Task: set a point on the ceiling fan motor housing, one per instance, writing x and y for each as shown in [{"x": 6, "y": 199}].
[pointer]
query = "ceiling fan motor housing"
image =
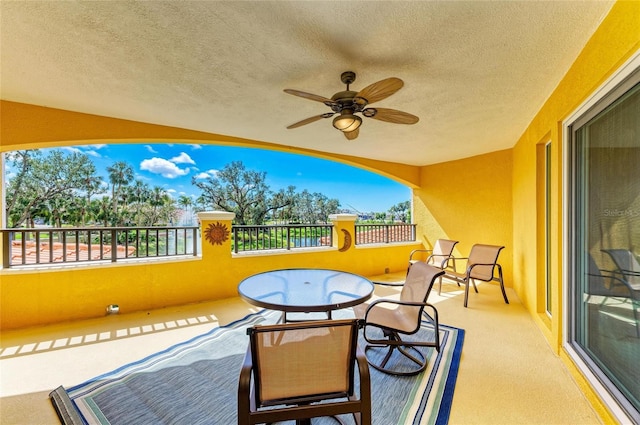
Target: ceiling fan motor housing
[{"x": 343, "y": 100}]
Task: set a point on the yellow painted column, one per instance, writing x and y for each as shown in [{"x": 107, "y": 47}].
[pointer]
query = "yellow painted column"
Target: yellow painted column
[
  {"x": 344, "y": 231},
  {"x": 215, "y": 230}
]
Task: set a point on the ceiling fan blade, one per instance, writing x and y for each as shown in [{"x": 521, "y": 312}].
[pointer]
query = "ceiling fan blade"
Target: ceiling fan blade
[
  {"x": 310, "y": 120},
  {"x": 380, "y": 90},
  {"x": 352, "y": 135},
  {"x": 390, "y": 115},
  {"x": 309, "y": 96}
]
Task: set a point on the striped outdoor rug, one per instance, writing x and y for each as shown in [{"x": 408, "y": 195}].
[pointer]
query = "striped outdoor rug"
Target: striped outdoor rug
[{"x": 196, "y": 382}]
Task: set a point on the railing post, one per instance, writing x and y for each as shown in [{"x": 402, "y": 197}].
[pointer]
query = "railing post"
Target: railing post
[
  {"x": 195, "y": 242},
  {"x": 6, "y": 249},
  {"x": 114, "y": 245},
  {"x": 344, "y": 234}
]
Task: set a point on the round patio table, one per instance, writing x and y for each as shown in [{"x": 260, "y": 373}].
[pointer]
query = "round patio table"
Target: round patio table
[{"x": 305, "y": 290}]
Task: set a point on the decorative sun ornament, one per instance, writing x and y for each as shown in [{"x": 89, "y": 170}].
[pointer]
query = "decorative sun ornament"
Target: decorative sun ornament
[{"x": 216, "y": 233}]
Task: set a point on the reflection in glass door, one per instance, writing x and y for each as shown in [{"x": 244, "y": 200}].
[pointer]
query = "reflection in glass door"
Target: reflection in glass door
[{"x": 605, "y": 242}]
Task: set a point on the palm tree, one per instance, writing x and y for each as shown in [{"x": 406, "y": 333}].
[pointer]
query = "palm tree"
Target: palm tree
[
  {"x": 185, "y": 202},
  {"x": 140, "y": 193},
  {"x": 159, "y": 198},
  {"x": 120, "y": 174},
  {"x": 92, "y": 186}
]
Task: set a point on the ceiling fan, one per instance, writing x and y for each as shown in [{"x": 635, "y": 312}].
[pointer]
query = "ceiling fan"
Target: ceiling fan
[{"x": 348, "y": 103}]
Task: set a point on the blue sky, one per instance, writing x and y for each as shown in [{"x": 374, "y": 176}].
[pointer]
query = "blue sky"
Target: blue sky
[{"x": 171, "y": 166}]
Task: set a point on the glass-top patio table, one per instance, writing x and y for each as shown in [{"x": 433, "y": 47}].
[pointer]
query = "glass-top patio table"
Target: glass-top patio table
[{"x": 305, "y": 290}]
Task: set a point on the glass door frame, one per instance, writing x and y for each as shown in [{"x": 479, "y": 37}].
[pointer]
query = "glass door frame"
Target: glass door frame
[{"x": 594, "y": 104}]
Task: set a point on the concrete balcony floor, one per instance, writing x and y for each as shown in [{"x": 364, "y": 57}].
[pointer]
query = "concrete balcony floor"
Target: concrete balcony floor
[{"x": 508, "y": 373}]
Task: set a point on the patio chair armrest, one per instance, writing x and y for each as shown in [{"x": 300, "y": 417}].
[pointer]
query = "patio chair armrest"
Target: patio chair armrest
[
  {"x": 365, "y": 378},
  {"x": 459, "y": 258},
  {"x": 415, "y": 251},
  {"x": 443, "y": 262},
  {"x": 389, "y": 301},
  {"x": 613, "y": 279},
  {"x": 610, "y": 274},
  {"x": 245, "y": 399},
  {"x": 471, "y": 266}
]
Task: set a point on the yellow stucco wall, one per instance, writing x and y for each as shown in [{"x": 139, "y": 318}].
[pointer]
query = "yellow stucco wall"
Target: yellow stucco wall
[
  {"x": 25, "y": 126},
  {"x": 63, "y": 293},
  {"x": 468, "y": 200},
  {"x": 615, "y": 41}
]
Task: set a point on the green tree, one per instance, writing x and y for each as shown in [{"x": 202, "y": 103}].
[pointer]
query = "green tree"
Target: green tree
[
  {"x": 245, "y": 193},
  {"x": 401, "y": 211},
  {"x": 44, "y": 186},
  {"x": 93, "y": 185},
  {"x": 120, "y": 175},
  {"x": 235, "y": 189},
  {"x": 139, "y": 194},
  {"x": 283, "y": 202},
  {"x": 185, "y": 202}
]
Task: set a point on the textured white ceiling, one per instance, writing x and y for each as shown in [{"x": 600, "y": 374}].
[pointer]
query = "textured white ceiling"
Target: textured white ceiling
[{"x": 475, "y": 72}]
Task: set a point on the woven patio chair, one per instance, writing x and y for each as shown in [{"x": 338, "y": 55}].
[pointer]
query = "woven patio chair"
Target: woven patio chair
[
  {"x": 481, "y": 264},
  {"x": 291, "y": 370},
  {"x": 386, "y": 321}
]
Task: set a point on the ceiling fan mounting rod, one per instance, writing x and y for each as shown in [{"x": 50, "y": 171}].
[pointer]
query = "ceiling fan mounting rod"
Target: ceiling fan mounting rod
[{"x": 347, "y": 78}]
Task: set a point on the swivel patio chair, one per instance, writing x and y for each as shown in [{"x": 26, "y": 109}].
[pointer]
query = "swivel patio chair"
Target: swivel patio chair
[
  {"x": 385, "y": 320},
  {"x": 481, "y": 263},
  {"x": 298, "y": 371}
]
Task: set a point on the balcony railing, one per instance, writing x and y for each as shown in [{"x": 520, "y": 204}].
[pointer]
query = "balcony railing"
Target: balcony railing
[
  {"x": 290, "y": 236},
  {"x": 25, "y": 247},
  {"x": 72, "y": 245},
  {"x": 384, "y": 233}
]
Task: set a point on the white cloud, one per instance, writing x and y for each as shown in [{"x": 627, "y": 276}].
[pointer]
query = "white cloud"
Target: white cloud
[
  {"x": 207, "y": 174},
  {"x": 183, "y": 158},
  {"x": 84, "y": 149},
  {"x": 150, "y": 149},
  {"x": 163, "y": 167},
  {"x": 195, "y": 147}
]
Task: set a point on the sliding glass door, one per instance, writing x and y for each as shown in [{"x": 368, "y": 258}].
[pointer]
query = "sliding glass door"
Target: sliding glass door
[{"x": 604, "y": 242}]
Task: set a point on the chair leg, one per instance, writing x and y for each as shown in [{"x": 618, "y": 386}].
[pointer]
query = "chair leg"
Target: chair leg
[
  {"x": 475, "y": 288},
  {"x": 436, "y": 324},
  {"x": 504, "y": 294},
  {"x": 395, "y": 342},
  {"x": 466, "y": 292}
]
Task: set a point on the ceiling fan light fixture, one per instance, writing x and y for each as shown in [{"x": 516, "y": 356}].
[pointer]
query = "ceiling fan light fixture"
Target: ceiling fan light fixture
[{"x": 347, "y": 122}]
